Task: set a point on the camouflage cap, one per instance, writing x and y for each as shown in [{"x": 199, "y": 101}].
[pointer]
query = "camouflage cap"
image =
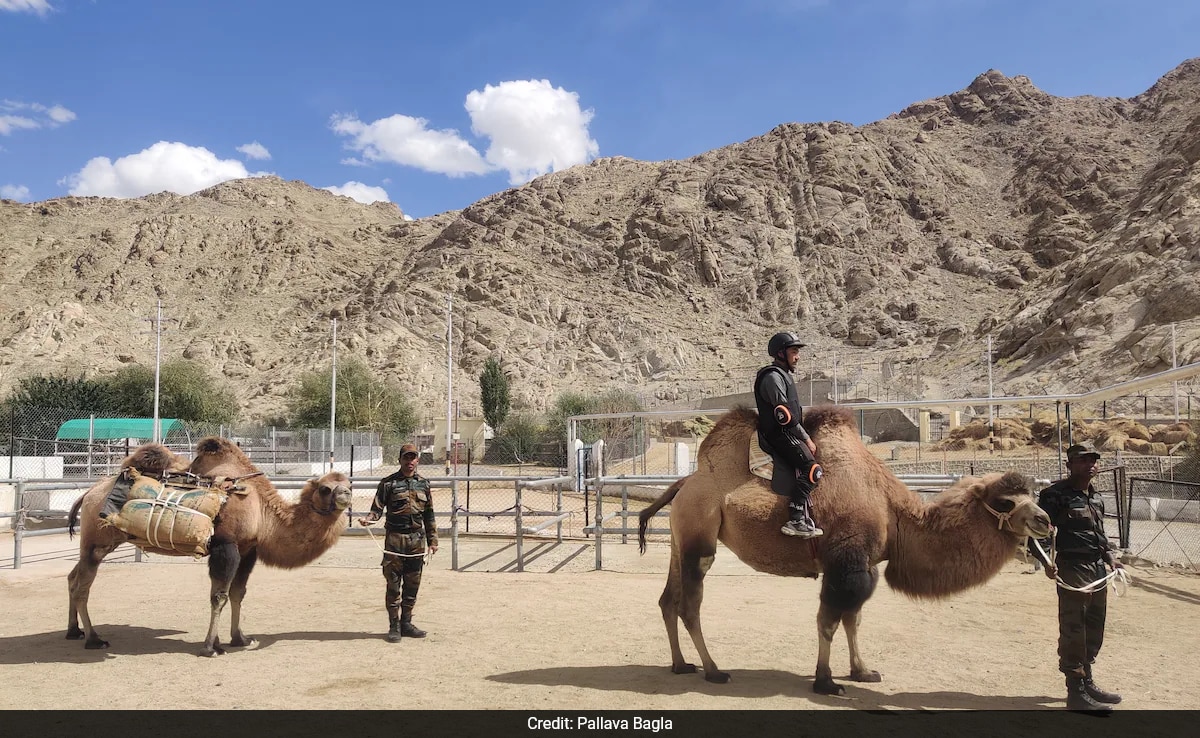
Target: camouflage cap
[
  {"x": 408, "y": 449},
  {"x": 1087, "y": 448}
]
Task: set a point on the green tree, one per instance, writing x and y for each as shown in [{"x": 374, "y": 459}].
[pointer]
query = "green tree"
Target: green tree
[
  {"x": 75, "y": 395},
  {"x": 38, "y": 405},
  {"x": 186, "y": 390},
  {"x": 364, "y": 402},
  {"x": 564, "y": 406},
  {"x": 518, "y": 441},
  {"x": 494, "y": 394}
]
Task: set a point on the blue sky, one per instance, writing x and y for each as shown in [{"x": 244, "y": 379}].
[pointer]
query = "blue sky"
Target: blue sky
[{"x": 434, "y": 105}]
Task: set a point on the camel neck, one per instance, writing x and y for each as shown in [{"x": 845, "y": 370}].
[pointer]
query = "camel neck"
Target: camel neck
[{"x": 945, "y": 547}]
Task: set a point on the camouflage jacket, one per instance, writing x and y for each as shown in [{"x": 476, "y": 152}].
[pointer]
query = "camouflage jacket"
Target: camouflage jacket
[{"x": 408, "y": 504}]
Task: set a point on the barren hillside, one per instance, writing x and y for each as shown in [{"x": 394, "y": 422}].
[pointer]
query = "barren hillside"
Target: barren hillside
[{"x": 1068, "y": 227}]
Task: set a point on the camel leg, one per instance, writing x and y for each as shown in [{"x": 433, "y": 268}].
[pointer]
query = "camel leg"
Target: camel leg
[
  {"x": 669, "y": 602},
  {"x": 237, "y": 591},
  {"x": 692, "y": 569},
  {"x": 846, "y": 585},
  {"x": 79, "y": 587},
  {"x": 223, "y": 560},
  {"x": 827, "y": 625},
  {"x": 850, "y": 621},
  {"x": 858, "y": 668}
]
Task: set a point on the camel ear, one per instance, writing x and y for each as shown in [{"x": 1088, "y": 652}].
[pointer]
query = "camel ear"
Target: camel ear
[{"x": 977, "y": 489}]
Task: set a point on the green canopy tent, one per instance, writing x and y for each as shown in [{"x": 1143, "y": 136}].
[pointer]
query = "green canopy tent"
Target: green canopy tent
[{"x": 107, "y": 429}]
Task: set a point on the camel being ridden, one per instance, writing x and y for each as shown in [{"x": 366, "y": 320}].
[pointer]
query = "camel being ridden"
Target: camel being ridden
[
  {"x": 255, "y": 524},
  {"x": 957, "y": 541}
]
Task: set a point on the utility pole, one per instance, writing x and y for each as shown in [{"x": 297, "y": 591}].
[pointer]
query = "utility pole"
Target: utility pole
[
  {"x": 156, "y": 431},
  {"x": 449, "y": 376},
  {"x": 1174, "y": 364},
  {"x": 157, "y": 369},
  {"x": 991, "y": 419},
  {"x": 333, "y": 402},
  {"x": 835, "y": 378}
]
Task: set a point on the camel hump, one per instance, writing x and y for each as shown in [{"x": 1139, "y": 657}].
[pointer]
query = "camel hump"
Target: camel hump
[
  {"x": 213, "y": 446},
  {"x": 152, "y": 458},
  {"x": 829, "y": 417}
]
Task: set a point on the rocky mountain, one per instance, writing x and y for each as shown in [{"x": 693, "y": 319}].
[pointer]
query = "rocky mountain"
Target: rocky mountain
[{"x": 1067, "y": 227}]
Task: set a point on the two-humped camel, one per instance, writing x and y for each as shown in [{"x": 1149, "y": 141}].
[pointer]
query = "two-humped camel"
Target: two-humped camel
[
  {"x": 959, "y": 540},
  {"x": 255, "y": 524}
]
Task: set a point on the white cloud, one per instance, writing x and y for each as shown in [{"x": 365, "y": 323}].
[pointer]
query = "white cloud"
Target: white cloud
[
  {"x": 14, "y": 192},
  {"x": 534, "y": 127},
  {"x": 170, "y": 166},
  {"x": 363, "y": 193},
  {"x": 10, "y": 123},
  {"x": 40, "y": 7},
  {"x": 14, "y": 115},
  {"x": 401, "y": 139},
  {"x": 255, "y": 150}
]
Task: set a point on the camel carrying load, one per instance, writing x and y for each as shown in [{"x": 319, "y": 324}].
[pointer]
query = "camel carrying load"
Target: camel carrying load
[
  {"x": 253, "y": 522},
  {"x": 172, "y": 513},
  {"x": 959, "y": 540}
]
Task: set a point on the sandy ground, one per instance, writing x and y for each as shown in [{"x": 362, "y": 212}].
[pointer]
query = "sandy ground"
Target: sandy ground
[{"x": 571, "y": 639}]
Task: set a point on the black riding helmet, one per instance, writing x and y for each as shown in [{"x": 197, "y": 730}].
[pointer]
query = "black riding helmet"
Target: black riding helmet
[{"x": 782, "y": 342}]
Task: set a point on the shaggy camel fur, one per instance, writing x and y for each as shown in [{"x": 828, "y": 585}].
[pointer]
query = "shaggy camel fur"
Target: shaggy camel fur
[
  {"x": 255, "y": 525},
  {"x": 959, "y": 540}
]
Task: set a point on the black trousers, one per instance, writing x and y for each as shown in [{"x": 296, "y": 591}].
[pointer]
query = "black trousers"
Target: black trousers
[
  {"x": 793, "y": 475},
  {"x": 1081, "y": 619}
]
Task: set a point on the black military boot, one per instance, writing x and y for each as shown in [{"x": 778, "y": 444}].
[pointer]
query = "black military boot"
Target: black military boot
[
  {"x": 799, "y": 523},
  {"x": 408, "y": 630},
  {"x": 1098, "y": 694},
  {"x": 1078, "y": 699},
  {"x": 393, "y": 634}
]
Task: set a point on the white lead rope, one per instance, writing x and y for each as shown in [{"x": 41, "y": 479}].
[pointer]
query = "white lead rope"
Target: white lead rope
[
  {"x": 1117, "y": 577},
  {"x": 427, "y": 554}
]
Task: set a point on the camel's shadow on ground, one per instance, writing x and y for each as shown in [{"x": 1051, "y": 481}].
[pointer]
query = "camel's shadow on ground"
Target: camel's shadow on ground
[
  {"x": 133, "y": 640},
  {"x": 752, "y": 683}
]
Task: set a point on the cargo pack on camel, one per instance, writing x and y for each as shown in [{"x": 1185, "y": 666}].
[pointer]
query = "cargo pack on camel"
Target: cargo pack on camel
[{"x": 169, "y": 513}]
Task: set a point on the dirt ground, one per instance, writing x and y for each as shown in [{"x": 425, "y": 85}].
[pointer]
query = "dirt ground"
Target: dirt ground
[{"x": 572, "y": 639}]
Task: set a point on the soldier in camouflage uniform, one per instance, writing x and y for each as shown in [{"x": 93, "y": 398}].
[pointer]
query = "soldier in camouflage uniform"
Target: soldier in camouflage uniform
[
  {"x": 410, "y": 525},
  {"x": 1083, "y": 553}
]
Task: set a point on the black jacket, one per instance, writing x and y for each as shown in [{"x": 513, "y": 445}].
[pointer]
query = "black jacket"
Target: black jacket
[
  {"x": 1078, "y": 519},
  {"x": 779, "y": 415}
]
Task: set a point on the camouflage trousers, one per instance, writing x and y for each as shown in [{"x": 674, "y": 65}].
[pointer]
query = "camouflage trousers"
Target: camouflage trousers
[
  {"x": 403, "y": 573},
  {"x": 1080, "y": 624}
]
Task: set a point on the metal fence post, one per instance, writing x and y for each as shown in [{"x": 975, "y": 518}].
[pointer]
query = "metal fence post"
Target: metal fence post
[
  {"x": 454, "y": 526},
  {"x": 520, "y": 537},
  {"x": 558, "y": 508},
  {"x": 598, "y": 522},
  {"x": 624, "y": 513},
  {"x": 19, "y": 521}
]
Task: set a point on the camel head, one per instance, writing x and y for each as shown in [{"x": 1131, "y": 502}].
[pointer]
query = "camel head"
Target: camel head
[
  {"x": 1007, "y": 497},
  {"x": 331, "y": 493}
]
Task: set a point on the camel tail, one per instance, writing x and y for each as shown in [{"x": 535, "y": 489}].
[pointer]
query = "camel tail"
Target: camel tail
[
  {"x": 73, "y": 517},
  {"x": 645, "y": 515}
]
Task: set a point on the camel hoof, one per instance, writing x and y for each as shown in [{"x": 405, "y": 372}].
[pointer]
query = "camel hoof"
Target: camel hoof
[
  {"x": 244, "y": 641},
  {"x": 214, "y": 651},
  {"x": 74, "y": 634},
  {"x": 683, "y": 669},
  {"x": 95, "y": 644},
  {"x": 717, "y": 677},
  {"x": 828, "y": 686},
  {"x": 867, "y": 676}
]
